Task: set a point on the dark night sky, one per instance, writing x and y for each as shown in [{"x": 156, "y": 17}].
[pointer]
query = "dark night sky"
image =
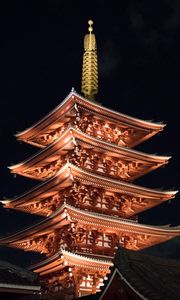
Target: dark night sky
[{"x": 41, "y": 47}]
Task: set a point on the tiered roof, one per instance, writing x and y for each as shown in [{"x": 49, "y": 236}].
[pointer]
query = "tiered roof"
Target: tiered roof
[
  {"x": 59, "y": 119},
  {"x": 142, "y": 198},
  {"x": 86, "y": 166},
  {"x": 54, "y": 155},
  {"x": 66, "y": 258},
  {"x": 146, "y": 235}
]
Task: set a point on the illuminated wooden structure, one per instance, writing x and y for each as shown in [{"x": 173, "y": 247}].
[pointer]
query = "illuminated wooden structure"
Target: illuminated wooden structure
[{"x": 86, "y": 167}]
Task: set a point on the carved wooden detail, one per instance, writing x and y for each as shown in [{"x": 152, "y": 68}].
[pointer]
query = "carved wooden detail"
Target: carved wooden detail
[
  {"x": 102, "y": 201},
  {"x": 71, "y": 230},
  {"x": 92, "y": 161},
  {"x": 61, "y": 281},
  {"x": 79, "y": 238},
  {"x": 94, "y": 199},
  {"x": 46, "y": 171},
  {"x": 104, "y": 164},
  {"x": 47, "y": 138},
  {"x": 41, "y": 244},
  {"x": 72, "y": 279},
  {"x": 45, "y": 206},
  {"x": 104, "y": 130}
]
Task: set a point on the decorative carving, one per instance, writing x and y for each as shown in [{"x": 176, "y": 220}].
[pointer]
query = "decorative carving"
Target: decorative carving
[
  {"x": 91, "y": 198},
  {"x": 136, "y": 241},
  {"x": 77, "y": 238},
  {"x": 46, "y": 206},
  {"x": 99, "y": 200},
  {"x": 47, "y": 171},
  {"x": 91, "y": 160},
  {"x": 71, "y": 279},
  {"x": 108, "y": 132},
  {"x": 93, "y": 126},
  {"x": 62, "y": 281},
  {"x": 48, "y": 137},
  {"x": 103, "y": 164}
]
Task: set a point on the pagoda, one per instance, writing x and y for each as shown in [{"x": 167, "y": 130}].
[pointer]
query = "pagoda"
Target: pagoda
[{"x": 86, "y": 166}]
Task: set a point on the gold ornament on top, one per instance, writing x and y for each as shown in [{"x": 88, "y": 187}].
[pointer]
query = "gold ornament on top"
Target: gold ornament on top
[
  {"x": 90, "y": 22},
  {"x": 90, "y": 66}
]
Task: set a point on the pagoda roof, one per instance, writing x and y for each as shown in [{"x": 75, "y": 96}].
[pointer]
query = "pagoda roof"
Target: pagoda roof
[
  {"x": 73, "y": 136},
  {"x": 68, "y": 214},
  {"x": 69, "y": 173},
  {"x": 63, "y": 110},
  {"x": 65, "y": 258}
]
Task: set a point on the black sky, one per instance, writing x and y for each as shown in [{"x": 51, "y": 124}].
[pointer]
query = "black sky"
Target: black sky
[{"x": 41, "y": 47}]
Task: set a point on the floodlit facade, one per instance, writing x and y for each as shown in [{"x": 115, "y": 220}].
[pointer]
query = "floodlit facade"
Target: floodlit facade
[{"x": 85, "y": 167}]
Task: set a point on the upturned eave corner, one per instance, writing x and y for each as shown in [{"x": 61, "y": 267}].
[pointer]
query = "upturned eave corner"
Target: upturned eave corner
[
  {"x": 86, "y": 195},
  {"x": 74, "y": 97}
]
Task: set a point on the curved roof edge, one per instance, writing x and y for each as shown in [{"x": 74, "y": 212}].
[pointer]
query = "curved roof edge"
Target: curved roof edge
[
  {"x": 79, "y": 257},
  {"x": 100, "y": 218},
  {"x": 113, "y": 182},
  {"x": 109, "y": 146},
  {"x": 96, "y": 107}
]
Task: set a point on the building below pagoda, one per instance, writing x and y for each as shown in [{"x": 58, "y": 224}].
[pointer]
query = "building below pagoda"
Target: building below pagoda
[
  {"x": 17, "y": 282},
  {"x": 137, "y": 276}
]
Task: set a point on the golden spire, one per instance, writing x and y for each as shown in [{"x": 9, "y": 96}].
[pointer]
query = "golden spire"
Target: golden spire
[{"x": 90, "y": 71}]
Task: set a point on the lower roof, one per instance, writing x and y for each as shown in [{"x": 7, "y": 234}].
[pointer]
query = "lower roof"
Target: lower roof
[
  {"x": 148, "y": 277},
  {"x": 17, "y": 280},
  {"x": 74, "y": 98},
  {"x": 66, "y": 258},
  {"x": 69, "y": 172}
]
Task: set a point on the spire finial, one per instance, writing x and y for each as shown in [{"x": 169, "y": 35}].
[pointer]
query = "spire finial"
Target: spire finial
[
  {"x": 90, "y": 70},
  {"x": 90, "y": 22}
]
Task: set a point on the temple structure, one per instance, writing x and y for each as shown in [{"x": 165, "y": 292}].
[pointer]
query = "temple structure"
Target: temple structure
[
  {"x": 17, "y": 283},
  {"x": 86, "y": 166}
]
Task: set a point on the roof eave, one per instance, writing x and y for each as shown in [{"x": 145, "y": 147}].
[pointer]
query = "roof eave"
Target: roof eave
[{"x": 106, "y": 111}]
